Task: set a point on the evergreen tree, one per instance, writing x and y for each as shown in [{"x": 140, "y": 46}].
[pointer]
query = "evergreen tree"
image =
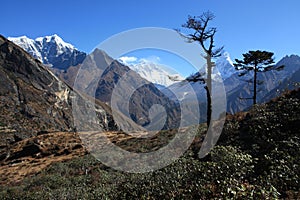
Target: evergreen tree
[{"x": 256, "y": 61}]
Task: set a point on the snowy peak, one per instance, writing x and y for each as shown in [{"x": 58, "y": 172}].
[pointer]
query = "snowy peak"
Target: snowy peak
[
  {"x": 43, "y": 45},
  {"x": 27, "y": 44},
  {"x": 224, "y": 65},
  {"x": 160, "y": 74},
  {"x": 151, "y": 71},
  {"x": 225, "y": 59},
  {"x": 55, "y": 40},
  {"x": 42, "y": 40},
  {"x": 222, "y": 70},
  {"x": 50, "y": 50}
]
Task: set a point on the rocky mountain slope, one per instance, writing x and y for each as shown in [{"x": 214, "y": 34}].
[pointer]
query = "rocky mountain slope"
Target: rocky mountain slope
[
  {"x": 83, "y": 68},
  {"x": 33, "y": 101},
  {"x": 114, "y": 84}
]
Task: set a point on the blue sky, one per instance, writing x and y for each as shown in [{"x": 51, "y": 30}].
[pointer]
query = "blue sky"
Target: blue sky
[{"x": 242, "y": 24}]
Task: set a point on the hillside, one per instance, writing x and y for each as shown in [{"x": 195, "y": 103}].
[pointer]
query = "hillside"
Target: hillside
[
  {"x": 256, "y": 157},
  {"x": 144, "y": 96},
  {"x": 126, "y": 91},
  {"x": 33, "y": 101}
]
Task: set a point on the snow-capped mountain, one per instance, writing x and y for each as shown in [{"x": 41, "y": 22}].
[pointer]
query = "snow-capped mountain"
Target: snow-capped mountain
[
  {"x": 160, "y": 74},
  {"x": 51, "y": 50},
  {"x": 54, "y": 52},
  {"x": 223, "y": 69},
  {"x": 156, "y": 73},
  {"x": 274, "y": 82},
  {"x": 224, "y": 66}
]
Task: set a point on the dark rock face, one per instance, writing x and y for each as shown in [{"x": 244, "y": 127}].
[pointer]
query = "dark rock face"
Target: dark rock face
[
  {"x": 141, "y": 100},
  {"x": 67, "y": 59},
  {"x": 30, "y": 94},
  {"x": 100, "y": 76},
  {"x": 32, "y": 99}
]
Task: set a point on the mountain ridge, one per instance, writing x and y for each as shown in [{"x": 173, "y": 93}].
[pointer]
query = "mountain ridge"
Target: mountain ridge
[
  {"x": 224, "y": 70},
  {"x": 33, "y": 100},
  {"x": 117, "y": 81},
  {"x": 51, "y": 50}
]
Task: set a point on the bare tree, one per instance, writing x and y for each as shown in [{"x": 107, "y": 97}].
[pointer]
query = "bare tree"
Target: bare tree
[{"x": 200, "y": 32}]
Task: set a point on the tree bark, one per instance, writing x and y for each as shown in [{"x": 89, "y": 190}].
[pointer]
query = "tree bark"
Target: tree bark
[
  {"x": 209, "y": 89},
  {"x": 254, "y": 84}
]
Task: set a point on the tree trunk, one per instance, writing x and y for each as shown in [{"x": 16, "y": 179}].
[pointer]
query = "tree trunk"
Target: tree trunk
[
  {"x": 254, "y": 84},
  {"x": 209, "y": 89}
]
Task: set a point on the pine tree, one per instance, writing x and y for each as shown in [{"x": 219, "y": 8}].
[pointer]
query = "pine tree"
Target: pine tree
[{"x": 256, "y": 61}]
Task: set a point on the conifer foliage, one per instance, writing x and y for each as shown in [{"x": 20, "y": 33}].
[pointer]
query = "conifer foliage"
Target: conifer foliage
[{"x": 256, "y": 61}]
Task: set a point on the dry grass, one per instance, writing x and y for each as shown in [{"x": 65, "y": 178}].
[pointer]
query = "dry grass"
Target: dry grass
[{"x": 32, "y": 155}]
